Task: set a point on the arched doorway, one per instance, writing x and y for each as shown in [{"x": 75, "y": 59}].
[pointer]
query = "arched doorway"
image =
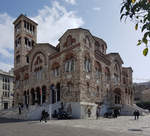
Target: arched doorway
[
  {"x": 43, "y": 94},
  {"x": 38, "y": 95},
  {"x": 32, "y": 96},
  {"x": 58, "y": 91},
  {"x": 53, "y": 94}
]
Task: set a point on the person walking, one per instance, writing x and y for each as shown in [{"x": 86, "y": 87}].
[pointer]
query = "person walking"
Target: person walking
[
  {"x": 135, "y": 114},
  {"x": 19, "y": 107},
  {"x": 43, "y": 116},
  {"x": 89, "y": 112},
  {"x": 97, "y": 112},
  {"x": 115, "y": 113}
]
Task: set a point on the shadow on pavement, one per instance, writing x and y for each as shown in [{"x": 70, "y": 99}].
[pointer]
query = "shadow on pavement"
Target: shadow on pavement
[
  {"x": 5, "y": 120},
  {"x": 134, "y": 129}
]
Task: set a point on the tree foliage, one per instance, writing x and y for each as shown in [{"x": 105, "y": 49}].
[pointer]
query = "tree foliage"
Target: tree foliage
[{"x": 139, "y": 12}]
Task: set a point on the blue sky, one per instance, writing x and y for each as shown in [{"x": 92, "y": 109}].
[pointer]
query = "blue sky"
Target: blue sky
[{"x": 101, "y": 17}]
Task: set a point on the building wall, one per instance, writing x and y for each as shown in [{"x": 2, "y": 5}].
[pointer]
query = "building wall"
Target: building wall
[
  {"x": 6, "y": 89},
  {"x": 96, "y": 77}
]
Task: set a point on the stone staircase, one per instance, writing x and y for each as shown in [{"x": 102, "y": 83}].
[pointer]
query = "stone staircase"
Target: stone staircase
[{"x": 128, "y": 110}]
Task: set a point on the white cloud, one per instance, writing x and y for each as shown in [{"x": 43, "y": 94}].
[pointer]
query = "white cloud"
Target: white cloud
[
  {"x": 5, "y": 67},
  {"x": 52, "y": 23},
  {"x": 97, "y": 8},
  {"x": 71, "y": 1},
  {"x": 6, "y": 39}
]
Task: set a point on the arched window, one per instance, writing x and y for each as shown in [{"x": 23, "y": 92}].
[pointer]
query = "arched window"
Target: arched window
[
  {"x": 107, "y": 74},
  {"x": 87, "y": 65},
  {"x": 116, "y": 73},
  {"x": 38, "y": 73},
  {"x": 69, "y": 62},
  {"x": 98, "y": 70},
  {"x": 117, "y": 96},
  {"x": 55, "y": 69},
  {"x": 70, "y": 65}
]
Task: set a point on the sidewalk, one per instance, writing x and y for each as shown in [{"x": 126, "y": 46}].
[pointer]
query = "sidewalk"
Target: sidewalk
[{"x": 123, "y": 124}]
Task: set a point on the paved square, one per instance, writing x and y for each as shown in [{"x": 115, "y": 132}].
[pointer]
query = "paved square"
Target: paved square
[{"x": 122, "y": 126}]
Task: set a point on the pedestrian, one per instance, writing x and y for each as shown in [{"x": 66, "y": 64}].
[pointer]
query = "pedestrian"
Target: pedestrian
[
  {"x": 135, "y": 114},
  {"x": 115, "y": 113},
  {"x": 19, "y": 106},
  {"x": 43, "y": 116},
  {"x": 97, "y": 112},
  {"x": 89, "y": 112}
]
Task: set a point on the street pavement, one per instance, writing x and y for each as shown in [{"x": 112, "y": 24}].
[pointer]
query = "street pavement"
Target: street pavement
[{"x": 122, "y": 126}]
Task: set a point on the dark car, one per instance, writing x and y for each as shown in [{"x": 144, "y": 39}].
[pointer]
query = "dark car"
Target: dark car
[
  {"x": 63, "y": 115},
  {"x": 108, "y": 114}
]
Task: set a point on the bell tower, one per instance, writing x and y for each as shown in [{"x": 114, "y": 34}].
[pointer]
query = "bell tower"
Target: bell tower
[{"x": 25, "y": 38}]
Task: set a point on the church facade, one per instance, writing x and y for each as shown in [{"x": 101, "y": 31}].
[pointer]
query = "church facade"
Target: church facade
[{"x": 77, "y": 72}]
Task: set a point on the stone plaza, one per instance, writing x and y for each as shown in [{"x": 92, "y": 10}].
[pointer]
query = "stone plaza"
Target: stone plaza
[{"x": 122, "y": 126}]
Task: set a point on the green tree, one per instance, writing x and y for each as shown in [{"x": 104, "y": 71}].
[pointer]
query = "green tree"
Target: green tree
[{"x": 139, "y": 12}]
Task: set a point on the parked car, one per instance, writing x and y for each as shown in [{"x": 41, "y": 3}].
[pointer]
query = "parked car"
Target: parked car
[
  {"x": 108, "y": 114},
  {"x": 63, "y": 115}
]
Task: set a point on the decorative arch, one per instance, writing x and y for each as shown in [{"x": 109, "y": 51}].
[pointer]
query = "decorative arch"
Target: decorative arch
[
  {"x": 69, "y": 55},
  {"x": 69, "y": 41},
  {"x": 38, "y": 59}
]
